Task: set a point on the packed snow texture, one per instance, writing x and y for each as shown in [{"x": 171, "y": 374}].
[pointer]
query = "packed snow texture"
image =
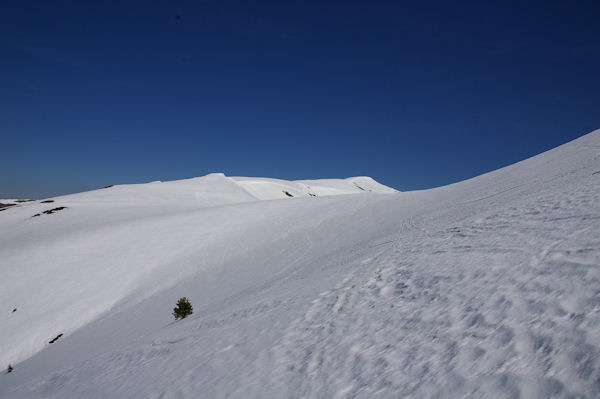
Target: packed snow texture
[
  {"x": 485, "y": 288},
  {"x": 108, "y": 242}
]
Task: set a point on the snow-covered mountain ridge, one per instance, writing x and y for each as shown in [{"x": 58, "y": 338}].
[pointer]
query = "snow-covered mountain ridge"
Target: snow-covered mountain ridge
[
  {"x": 484, "y": 288},
  {"x": 92, "y": 219},
  {"x": 217, "y": 189}
]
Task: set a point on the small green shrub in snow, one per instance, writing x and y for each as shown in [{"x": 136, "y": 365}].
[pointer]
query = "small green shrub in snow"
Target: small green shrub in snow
[{"x": 183, "y": 309}]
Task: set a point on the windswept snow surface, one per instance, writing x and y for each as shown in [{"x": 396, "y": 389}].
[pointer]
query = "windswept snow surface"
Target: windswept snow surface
[
  {"x": 485, "y": 288},
  {"x": 68, "y": 260}
]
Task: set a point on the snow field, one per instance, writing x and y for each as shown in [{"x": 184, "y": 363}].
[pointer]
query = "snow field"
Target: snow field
[
  {"x": 484, "y": 288},
  {"x": 66, "y": 269}
]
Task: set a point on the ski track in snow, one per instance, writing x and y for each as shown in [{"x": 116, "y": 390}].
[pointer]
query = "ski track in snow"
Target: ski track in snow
[
  {"x": 493, "y": 295},
  {"x": 478, "y": 324}
]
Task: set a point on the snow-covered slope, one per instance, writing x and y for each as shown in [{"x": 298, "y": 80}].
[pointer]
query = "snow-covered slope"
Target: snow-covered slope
[
  {"x": 487, "y": 287},
  {"x": 274, "y": 188},
  {"x": 95, "y": 247}
]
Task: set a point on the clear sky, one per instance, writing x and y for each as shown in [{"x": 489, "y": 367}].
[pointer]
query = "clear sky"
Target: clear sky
[{"x": 415, "y": 94}]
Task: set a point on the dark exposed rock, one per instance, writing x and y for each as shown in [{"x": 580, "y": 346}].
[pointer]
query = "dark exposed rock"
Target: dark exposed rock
[
  {"x": 49, "y": 211},
  {"x": 55, "y": 338}
]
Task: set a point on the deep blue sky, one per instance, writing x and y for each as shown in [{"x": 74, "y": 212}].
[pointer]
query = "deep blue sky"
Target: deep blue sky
[{"x": 415, "y": 94}]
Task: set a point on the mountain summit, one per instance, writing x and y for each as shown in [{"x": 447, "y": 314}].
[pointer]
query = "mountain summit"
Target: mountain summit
[{"x": 483, "y": 288}]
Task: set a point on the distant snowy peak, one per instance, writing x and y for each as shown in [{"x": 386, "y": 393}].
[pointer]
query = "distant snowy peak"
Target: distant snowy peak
[
  {"x": 242, "y": 189},
  {"x": 217, "y": 189},
  {"x": 266, "y": 188},
  {"x": 214, "y": 189}
]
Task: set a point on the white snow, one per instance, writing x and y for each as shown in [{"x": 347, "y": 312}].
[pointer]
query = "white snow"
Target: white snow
[
  {"x": 109, "y": 242},
  {"x": 274, "y": 188},
  {"x": 485, "y": 288}
]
